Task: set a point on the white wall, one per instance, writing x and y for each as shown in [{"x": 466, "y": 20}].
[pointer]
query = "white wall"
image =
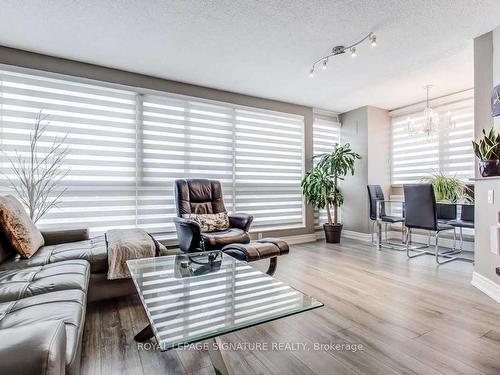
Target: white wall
[
  {"x": 486, "y": 76},
  {"x": 379, "y": 149},
  {"x": 355, "y": 132},
  {"x": 367, "y": 129}
]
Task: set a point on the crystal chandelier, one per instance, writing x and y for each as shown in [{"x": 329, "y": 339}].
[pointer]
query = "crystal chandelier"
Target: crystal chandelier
[{"x": 430, "y": 123}]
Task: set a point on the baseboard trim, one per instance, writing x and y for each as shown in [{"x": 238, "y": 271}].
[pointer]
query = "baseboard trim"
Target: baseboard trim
[
  {"x": 353, "y": 235},
  {"x": 319, "y": 234},
  {"x": 485, "y": 285},
  {"x": 301, "y": 238}
]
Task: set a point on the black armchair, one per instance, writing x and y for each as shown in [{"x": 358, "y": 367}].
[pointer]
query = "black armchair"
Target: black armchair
[
  {"x": 240, "y": 221},
  {"x": 200, "y": 196}
]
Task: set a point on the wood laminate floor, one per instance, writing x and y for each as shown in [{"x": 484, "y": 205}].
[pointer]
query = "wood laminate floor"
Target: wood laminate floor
[{"x": 409, "y": 316}]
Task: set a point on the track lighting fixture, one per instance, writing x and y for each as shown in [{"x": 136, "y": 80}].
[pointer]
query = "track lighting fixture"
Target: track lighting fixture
[{"x": 339, "y": 50}]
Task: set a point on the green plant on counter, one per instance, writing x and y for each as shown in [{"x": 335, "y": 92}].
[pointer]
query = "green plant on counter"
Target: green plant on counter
[
  {"x": 448, "y": 189},
  {"x": 488, "y": 147}
]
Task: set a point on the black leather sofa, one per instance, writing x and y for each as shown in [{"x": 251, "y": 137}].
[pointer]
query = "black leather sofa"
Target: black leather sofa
[{"x": 43, "y": 301}]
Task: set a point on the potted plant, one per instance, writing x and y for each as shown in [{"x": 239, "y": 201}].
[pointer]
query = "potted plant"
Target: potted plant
[
  {"x": 320, "y": 185},
  {"x": 449, "y": 189},
  {"x": 487, "y": 150}
]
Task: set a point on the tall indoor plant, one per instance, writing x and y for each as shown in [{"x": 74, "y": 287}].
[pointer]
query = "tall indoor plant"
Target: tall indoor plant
[
  {"x": 320, "y": 185},
  {"x": 487, "y": 150}
]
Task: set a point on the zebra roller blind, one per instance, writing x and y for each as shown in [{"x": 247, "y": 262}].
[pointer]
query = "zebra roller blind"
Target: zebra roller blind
[
  {"x": 449, "y": 151},
  {"x": 269, "y": 163},
  {"x": 181, "y": 139},
  {"x": 326, "y": 132},
  {"x": 127, "y": 148},
  {"x": 100, "y": 124}
]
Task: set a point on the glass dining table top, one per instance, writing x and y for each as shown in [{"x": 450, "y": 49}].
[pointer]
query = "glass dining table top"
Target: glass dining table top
[{"x": 193, "y": 297}]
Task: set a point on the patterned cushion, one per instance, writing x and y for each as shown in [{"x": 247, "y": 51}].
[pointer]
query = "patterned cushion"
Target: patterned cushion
[
  {"x": 20, "y": 232},
  {"x": 210, "y": 222}
]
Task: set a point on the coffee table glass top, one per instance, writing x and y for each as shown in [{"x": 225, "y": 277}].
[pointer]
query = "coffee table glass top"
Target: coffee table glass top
[{"x": 194, "y": 297}]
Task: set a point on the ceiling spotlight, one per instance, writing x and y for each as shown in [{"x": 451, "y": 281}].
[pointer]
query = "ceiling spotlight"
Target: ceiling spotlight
[{"x": 340, "y": 50}]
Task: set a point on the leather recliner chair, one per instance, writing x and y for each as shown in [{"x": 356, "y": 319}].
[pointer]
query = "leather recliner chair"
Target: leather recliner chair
[{"x": 201, "y": 196}]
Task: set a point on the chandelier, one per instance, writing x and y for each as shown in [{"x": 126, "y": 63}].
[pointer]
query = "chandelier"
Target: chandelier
[
  {"x": 430, "y": 122},
  {"x": 339, "y": 50}
]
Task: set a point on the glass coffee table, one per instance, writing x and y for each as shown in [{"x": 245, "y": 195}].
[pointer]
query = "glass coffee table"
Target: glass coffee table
[{"x": 199, "y": 296}]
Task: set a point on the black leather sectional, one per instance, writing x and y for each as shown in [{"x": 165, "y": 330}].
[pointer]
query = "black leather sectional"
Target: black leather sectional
[{"x": 43, "y": 302}]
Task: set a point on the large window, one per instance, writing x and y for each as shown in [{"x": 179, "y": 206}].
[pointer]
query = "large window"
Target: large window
[
  {"x": 127, "y": 148},
  {"x": 449, "y": 150},
  {"x": 326, "y": 133},
  {"x": 268, "y": 168}
]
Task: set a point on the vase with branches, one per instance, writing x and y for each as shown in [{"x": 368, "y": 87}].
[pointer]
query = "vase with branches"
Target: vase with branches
[
  {"x": 320, "y": 185},
  {"x": 36, "y": 175}
]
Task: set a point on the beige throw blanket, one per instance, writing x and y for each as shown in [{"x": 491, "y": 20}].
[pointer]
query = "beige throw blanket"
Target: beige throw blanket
[{"x": 126, "y": 244}]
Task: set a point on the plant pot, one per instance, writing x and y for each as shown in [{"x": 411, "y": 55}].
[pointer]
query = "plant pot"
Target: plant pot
[
  {"x": 332, "y": 232},
  {"x": 489, "y": 168}
]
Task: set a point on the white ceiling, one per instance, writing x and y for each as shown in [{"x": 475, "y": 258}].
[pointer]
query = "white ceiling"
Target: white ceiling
[{"x": 265, "y": 48}]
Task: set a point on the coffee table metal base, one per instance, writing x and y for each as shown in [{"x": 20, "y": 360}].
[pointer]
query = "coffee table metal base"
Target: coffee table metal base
[
  {"x": 216, "y": 357},
  {"x": 145, "y": 334},
  {"x": 213, "y": 350}
]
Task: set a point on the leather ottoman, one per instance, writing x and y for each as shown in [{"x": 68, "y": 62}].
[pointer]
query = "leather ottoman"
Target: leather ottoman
[{"x": 266, "y": 248}]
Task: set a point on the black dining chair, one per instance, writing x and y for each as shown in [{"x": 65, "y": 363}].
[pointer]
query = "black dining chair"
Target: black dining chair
[
  {"x": 421, "y": 213},
  {"x": 466, "y": 219},
  {"x": 378, "y": 216},
  {"x": 446, "y": 213}
]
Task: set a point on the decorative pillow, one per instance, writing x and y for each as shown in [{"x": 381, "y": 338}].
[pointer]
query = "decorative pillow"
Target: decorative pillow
[
  {"x": 20, "y": 232},
  {"x": 210, "y": 222}
]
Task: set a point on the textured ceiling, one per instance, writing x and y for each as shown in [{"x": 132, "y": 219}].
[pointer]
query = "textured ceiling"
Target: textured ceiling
[{"x": 265, "y": 48}]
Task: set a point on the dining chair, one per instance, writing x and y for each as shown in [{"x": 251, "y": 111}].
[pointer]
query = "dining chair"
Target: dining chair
[
  {"x": 421, "y": 213},
  {"x": 466, "y": 219},
  {"x": 446, "y": 213},
  {"x": 378, "y": 216}
]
